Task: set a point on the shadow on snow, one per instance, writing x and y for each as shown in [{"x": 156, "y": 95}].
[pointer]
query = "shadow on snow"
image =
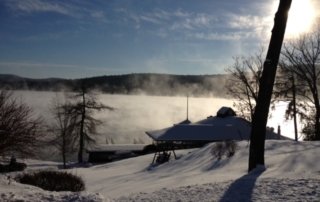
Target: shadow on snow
[{"x": 242, "y": 188}]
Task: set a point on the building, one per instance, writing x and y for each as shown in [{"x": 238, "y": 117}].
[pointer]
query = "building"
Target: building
[{"x": 225, "y": 126}]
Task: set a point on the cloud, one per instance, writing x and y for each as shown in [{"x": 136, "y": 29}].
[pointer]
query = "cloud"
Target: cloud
[
  {"x": 204, "y": 26},
  {"x": 175, "y": 20},
  {"x": 167, "y": 23},
  {"x": 162, "y": 15},
  {"x": 181, "y": 13},
  {"x": 245, "y": 22},
  {"x": 30, "y": 6},
  {"x": 150, "y": 19},
  {"x": 199, "y": 25},
  {"x": 156, "y": 17},
  {"x": 166, "y": 16},
  {"x": 218, "y": 36},
  {"x": 67, "y": 8},
  {"x": 193, "y": 21},
  {"x": 248, "y": 26}
]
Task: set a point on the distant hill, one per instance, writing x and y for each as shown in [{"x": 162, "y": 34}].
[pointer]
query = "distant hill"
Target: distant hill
[{"x": 150, "y": 84}]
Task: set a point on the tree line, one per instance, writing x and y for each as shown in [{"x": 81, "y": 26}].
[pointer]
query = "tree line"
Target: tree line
[{"x": 150, "y": 84}]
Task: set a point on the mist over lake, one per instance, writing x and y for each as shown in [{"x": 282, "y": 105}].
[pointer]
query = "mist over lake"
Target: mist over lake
[{"x": 135, "y": 114}]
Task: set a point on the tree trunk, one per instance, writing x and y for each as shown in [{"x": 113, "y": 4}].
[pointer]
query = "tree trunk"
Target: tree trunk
[
  {"x": 317, "y": 123},
  {"x": 249, "y": 102},
  {"x": 317, "y": 127},
  {"x": 260, "y": 116},
  {"x": 315, "y": 95},
  {"x": 64, "y": 150},
  {"x": 64, "y": 159},
  {"x": 83, "y": 115},
  {"x": 294, "y": 109}
]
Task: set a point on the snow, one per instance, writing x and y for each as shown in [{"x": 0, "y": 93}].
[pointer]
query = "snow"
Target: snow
[
  {"x": 240, "y": 190},
  {"x": 291, "y": 173}
]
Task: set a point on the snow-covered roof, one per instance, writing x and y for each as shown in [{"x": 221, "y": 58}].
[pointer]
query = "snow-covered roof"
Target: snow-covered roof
[
  {"x": 198, "y": 132},
  {"x": 217, "y": 128}
]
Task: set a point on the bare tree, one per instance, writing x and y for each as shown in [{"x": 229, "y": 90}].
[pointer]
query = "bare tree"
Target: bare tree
[
  {"x": 243, "y": 83},
  {"x": 291, "y": 89},
  {"x": 302, "y": 56},
  {"x": 64, "y": 128},
  {"x": 20, "y": 129},
  {"x": 86, "y": 104}
]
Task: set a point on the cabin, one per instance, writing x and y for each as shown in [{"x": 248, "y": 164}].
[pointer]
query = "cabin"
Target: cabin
[
  {"x": 108, "y": 153},
  {"x": 222, "y": 127}
]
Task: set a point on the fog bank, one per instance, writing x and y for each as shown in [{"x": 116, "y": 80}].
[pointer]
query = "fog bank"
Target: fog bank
[{"x": 135, "y": 114}]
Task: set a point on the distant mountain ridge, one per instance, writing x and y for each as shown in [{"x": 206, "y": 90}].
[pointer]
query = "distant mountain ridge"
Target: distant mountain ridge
[{"x": 144, "y": 83}]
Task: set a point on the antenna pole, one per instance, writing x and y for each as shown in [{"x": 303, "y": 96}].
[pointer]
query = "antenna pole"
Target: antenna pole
[{"x": 187, "y": 107}]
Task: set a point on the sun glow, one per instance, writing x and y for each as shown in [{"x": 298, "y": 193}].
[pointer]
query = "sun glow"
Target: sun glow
[{"x": 302, "y": 15}]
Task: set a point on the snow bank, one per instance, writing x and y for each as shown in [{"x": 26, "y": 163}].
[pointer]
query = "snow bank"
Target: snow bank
[
  {"x": 285, "y": 160},
  {"x": 292, "y": 174}
]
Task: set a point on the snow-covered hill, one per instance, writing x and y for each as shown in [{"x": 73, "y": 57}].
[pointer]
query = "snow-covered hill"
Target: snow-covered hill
[{"x": 292, "y": 174}]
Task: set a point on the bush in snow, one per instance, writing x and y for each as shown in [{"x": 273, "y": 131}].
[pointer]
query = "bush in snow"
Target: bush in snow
[
  {"x": 53, "y": 181},
  {"x": 226, "y": 148}
]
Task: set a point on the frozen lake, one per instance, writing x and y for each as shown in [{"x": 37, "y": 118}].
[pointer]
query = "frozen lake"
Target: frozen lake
[{"x": 136, "y": 114}]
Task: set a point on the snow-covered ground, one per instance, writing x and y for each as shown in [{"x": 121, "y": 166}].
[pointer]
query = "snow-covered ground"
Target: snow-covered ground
[{"x": 292, "y": 174}]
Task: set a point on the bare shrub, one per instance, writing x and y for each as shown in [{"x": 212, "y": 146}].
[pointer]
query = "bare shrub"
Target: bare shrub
[
  {"x": 53, "y": 181},
  {"x": 225, "y": 148}
]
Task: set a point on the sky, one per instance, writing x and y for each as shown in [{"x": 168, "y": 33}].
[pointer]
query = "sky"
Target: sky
[{"x": 82, "y": 38}]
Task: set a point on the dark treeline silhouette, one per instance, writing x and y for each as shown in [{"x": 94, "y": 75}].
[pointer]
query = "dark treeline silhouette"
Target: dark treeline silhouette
[
  {"x": 13, "y": 82},
  {"x": 150, "y": 84}
]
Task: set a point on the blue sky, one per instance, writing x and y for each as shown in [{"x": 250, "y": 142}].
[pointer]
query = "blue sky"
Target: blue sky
[{"x": 84, "y": 38}]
